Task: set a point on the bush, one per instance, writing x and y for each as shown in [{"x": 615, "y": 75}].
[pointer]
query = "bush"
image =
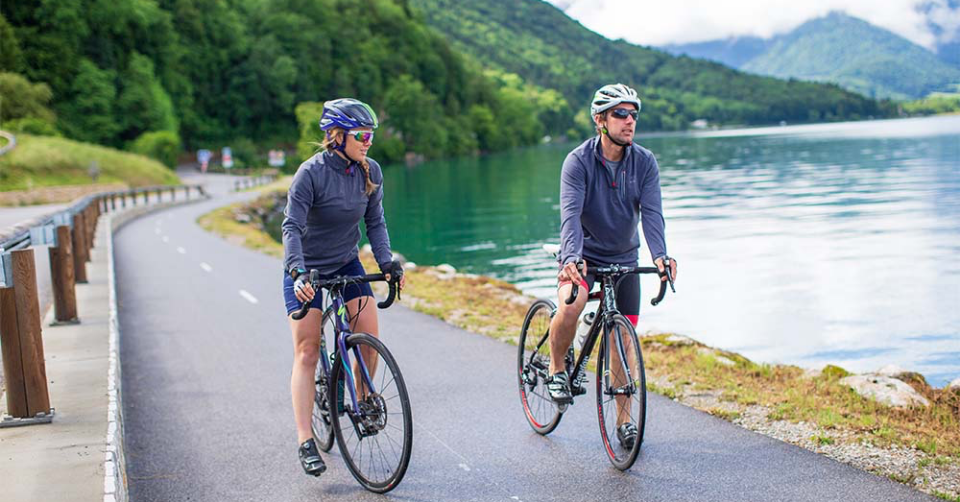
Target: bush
[
  {"x": 31, "y": 125},
  {"x": 161, "y": 145}
]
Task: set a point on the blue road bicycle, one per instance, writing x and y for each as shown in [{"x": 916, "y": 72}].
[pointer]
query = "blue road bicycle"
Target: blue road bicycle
[{"x": 363, "y": 402}]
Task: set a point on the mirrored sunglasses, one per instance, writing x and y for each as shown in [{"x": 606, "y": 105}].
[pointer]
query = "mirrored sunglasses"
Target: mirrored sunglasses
[
  {"x": 363, "y": 136},
  {"x": 623, "y": 113}
]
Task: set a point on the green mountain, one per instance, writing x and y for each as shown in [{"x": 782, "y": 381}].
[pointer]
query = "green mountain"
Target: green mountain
[
  {"x": 840, "y": 49},
  {"x": 542, "y": 45},
  {"x": 220, "y": 72}
]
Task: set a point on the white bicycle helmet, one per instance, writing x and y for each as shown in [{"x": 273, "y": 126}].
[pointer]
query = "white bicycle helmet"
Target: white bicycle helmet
[{"x": 612, "y": 95}]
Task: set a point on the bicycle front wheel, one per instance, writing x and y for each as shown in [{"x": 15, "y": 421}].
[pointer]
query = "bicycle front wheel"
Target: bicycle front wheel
[
  {"x": 376, "y": 437},
  {"x": 621, "y": 392},
  {"x": 320, "y": 421},
  {"x": 533, "y": 368}
]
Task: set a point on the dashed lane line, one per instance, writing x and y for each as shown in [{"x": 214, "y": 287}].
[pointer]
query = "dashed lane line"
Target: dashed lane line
[{"x": 247, "y": 296}]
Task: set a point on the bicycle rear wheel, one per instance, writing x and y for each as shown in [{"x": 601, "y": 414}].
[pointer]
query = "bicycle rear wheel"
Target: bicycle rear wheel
[
  {"x": 375, "y": 440},
  {"x": 533, "y": 368},
  {"x": 621, "y": 392},
  {"x": 320, "y": 421}
]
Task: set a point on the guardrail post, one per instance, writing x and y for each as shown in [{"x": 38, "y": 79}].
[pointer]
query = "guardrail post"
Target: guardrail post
[
  {"x": 10, "y": 345},
  {"x": 90, "y": 224},
  {"x": 62, "y": 277},
  {"x": 146, "y": 197},
  {"x": 27, "y": 394},
  {"x": 79, "y": 263}
]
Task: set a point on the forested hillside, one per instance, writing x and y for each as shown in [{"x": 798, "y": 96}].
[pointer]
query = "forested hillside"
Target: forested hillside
[
  {"x": 541, "y": 44},
  {"x": 217, "y": 71},
  {"x": 448, "y": 77}
]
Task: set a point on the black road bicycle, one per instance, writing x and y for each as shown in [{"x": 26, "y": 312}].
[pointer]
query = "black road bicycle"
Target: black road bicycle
[
  {"x": 620, "y": 383},
  {"x": 367, "y": 411}
]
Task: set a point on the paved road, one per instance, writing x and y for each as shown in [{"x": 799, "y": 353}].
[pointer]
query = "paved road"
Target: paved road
[{"x": 207, "y": 407}]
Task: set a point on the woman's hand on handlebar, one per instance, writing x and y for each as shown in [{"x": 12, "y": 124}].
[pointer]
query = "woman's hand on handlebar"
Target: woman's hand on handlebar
[
  {"x": 390, "y": 269},
  {"x": 303, "y": 289}
]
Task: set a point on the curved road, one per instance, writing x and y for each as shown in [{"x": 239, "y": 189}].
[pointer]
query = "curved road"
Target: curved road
[{"x": 206, "y": 357}]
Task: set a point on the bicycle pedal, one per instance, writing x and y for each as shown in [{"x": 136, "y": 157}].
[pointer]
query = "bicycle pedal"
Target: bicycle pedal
[{"x": 578, "y": 390}]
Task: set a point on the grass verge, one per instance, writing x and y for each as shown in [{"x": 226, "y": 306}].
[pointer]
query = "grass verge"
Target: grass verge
[{"x": 43, "y": 161}]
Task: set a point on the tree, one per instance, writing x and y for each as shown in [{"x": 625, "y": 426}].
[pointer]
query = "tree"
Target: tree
[{"x": 19, "y": 98}]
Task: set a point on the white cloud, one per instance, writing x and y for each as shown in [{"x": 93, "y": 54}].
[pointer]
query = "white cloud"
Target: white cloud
[{"x": 681, "y": 21}]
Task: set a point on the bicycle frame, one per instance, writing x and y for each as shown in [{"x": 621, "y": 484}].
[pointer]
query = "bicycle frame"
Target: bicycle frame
[
  {"x": 605, "y": 313},
  {"x": 342, "y": 332}
]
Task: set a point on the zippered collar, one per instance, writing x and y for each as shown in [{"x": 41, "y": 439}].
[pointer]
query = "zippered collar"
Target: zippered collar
[
  {"x": 338, "y": 163},
  {"x": 598, "y": 152}
]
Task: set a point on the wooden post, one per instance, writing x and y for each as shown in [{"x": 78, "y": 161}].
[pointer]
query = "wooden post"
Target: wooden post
[
  {"x": 79, "y": 262},
  {"x": 12, "y": 365},
  {"x": 90, "y": 228},
  {"x": 28, "y": 323},
  {"x": 61, "y": 274},
  {"x": 146, "y": 197}
]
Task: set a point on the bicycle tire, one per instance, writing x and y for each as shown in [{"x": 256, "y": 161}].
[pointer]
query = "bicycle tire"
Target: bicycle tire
[
  {"x": 392, "y": 393},
  {"x": 533, "y": 367},
  {"x": 609, "y": 412},
  {"x": 320, "y": 419}
]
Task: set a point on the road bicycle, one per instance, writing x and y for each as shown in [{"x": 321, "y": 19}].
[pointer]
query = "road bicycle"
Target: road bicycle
[
  {"x": 371, "y": 417},
  {"x": 620, "y": 380}
]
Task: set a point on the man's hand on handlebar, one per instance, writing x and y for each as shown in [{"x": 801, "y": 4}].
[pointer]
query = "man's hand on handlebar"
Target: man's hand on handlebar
[
  {"x": 671, "y": 274},
  {"x": 573, "y": 272}
]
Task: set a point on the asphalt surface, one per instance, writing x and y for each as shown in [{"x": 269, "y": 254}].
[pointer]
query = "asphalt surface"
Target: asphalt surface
[{"x": 207, "y": 410}]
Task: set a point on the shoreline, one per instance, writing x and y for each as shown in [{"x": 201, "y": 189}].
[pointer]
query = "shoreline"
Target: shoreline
[{"x": 918, "y": 446}]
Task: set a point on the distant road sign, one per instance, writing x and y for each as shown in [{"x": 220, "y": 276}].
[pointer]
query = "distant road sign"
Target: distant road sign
[
  {"x": 276, "y": 158},
  {"x": 227, "y": 157},
  {"x": 203, "y": 157}
]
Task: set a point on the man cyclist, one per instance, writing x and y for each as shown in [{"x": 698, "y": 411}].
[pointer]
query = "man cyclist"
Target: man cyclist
[{"x": 606, "y": 185}]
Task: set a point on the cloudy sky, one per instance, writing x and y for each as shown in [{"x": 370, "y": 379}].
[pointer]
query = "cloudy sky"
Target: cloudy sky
[{"x": 661, "y": 22}]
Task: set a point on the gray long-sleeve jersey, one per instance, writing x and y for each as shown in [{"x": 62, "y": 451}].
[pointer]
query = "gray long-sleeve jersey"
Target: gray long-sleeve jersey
[
  {"x": 599, "y": 213},
  {"x": 326, "y": 200}
]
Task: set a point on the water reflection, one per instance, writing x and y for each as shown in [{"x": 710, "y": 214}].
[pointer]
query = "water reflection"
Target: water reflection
[{"x": 831, "y": 243}]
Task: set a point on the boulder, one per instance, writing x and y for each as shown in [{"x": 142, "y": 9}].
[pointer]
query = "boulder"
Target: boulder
[
  {"x": 885, "y": 390},
  {"x": 679, "y": 340},
  {"x": 955, "y": 384},
  {"x": 446, "y": 268}
]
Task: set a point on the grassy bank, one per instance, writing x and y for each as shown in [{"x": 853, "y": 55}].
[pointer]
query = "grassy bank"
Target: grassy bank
[
  {"x": 41, "y": 161},
  {"x": 916, "y": 446}
]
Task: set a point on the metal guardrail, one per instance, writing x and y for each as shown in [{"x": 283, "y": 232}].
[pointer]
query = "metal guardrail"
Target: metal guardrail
[
  {"x": 253, "y": 181},
  {"x": 43, "y": 233},
  {"x": 11, "y": 142},
  {"x": 70, "y": 233}
]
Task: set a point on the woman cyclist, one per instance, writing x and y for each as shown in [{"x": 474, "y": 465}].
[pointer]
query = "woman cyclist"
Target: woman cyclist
[{"x": 331, "y": 192}]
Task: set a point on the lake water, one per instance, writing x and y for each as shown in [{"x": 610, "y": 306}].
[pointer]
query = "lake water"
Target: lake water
[{"x": 831, "y": 243}]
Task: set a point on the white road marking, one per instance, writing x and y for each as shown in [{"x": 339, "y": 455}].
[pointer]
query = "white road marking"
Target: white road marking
[
  {"x": 181, "y": 250},
  {"x": 247, "y": 296},
  {"x": 465, "y": 467},
  {"x": 156, "y": 230},
  {"x": 165, "y": 239},
  {"x": 205, "y": 267}
]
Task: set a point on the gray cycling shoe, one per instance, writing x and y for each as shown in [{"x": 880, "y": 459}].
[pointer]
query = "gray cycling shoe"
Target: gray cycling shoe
[
  {"x": 310, "y": 458},
  {"x": 559, "y": 387},
  {"x": 627, "y": 435}
]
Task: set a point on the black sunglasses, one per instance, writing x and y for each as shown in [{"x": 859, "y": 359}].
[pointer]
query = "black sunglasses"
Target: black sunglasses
[{"x": 623, "y": 113}]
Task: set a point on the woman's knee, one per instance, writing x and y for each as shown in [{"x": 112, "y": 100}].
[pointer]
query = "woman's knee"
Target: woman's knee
[{"x": 307, "y": 353}]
